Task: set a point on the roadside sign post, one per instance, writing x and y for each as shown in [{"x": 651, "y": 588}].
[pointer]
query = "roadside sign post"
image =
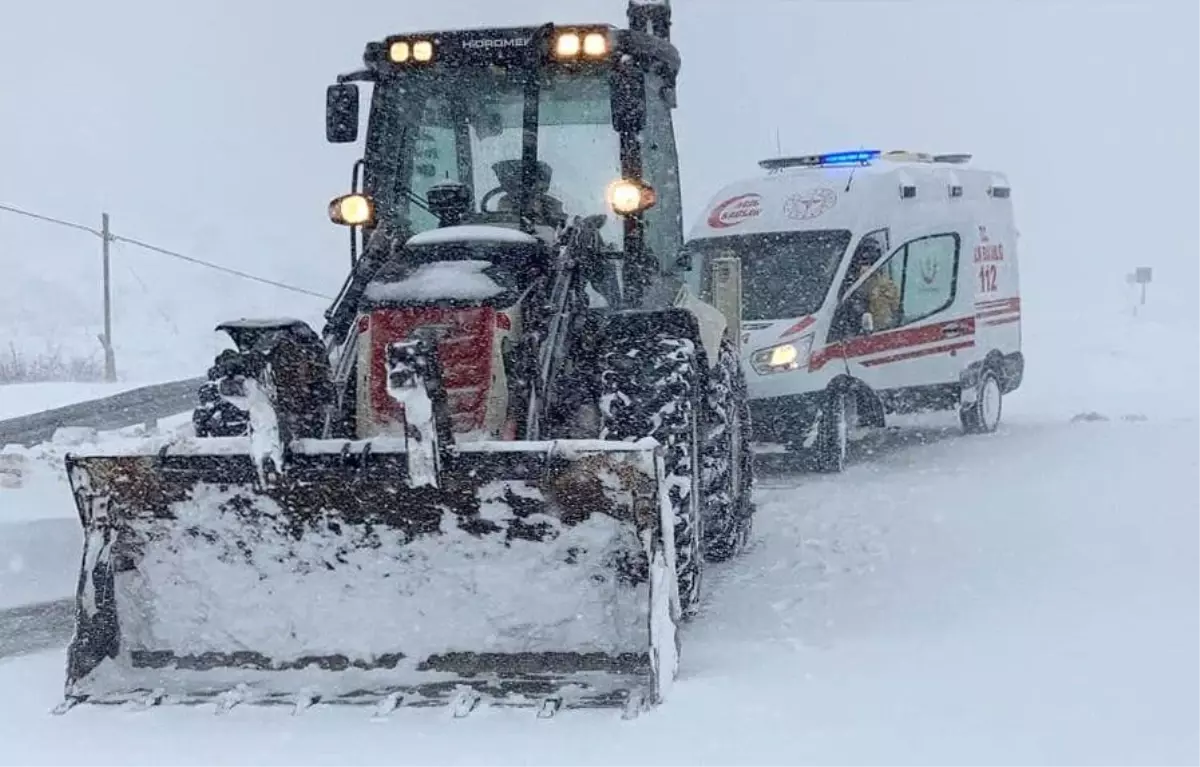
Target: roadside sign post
[
  {"x": 106, "y": 340},
  {"x": 1142, "y": 277}
]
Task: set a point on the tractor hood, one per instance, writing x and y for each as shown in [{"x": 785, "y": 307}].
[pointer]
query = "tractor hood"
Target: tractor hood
[{"x": 459, "y": 266}]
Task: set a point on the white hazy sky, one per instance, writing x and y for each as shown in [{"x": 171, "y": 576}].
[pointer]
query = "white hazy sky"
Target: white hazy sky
[{"x": 199, "y": 127}]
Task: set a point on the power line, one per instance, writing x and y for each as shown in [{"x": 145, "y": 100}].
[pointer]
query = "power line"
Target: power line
[
  {"x": 217, "y": 267},
  {"x": 52, "y": 220},
  {"x": 165, "y": 252}
]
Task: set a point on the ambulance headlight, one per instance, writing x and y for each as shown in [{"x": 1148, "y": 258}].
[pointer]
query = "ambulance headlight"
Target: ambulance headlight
[{"x": 782, "y": 358}]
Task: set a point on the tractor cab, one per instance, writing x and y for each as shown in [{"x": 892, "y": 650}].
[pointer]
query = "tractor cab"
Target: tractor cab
[{"x": 527, "y": 128}]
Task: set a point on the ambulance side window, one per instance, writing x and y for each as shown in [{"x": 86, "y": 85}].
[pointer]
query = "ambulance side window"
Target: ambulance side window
[
  {"x": 930, "y": 276},
  {"x": 918, "y": 280},
  {"x": 858, "y": 261}
]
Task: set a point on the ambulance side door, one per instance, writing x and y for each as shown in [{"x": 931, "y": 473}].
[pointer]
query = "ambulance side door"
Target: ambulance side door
[{"x": 914, "y": 334}]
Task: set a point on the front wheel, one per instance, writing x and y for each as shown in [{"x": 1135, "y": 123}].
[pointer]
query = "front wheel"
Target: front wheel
[
  {"x": 983, "y": 415},
  {"x": 833, "y": 428}
]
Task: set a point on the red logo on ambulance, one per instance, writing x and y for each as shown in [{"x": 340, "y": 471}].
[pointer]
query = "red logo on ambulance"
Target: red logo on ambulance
[{"x": 735, "y": 210}]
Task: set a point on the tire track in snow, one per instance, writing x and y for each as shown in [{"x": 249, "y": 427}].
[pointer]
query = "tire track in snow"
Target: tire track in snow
[{"x": 32, "y": 628}]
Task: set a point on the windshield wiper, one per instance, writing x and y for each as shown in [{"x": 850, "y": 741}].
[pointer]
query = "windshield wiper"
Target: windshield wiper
[{"x": 417, "y": 200}]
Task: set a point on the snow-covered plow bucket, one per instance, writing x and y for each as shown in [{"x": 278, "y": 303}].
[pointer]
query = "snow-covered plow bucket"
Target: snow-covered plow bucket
[{"x": 531, "y": 573}]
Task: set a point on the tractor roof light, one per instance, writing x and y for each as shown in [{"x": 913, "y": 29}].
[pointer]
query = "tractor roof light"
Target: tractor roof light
[
  {"x": 627, "y": 198},
  {"x": 410, "y": 51},
  {"x": 572, "y": 44},
  {"x": 595, "y": 45},
  {"x": 352, "y": 210},
  {"x": 568, "y": 45},
  {"x": 400, "y": 52},
  {"x": 423, "y": 50}
]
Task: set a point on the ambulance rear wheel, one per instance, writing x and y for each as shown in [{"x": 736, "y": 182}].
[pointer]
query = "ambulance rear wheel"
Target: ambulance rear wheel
[
  {"x": 983, "y": 415},
  {"x": 833, "y": 428}
]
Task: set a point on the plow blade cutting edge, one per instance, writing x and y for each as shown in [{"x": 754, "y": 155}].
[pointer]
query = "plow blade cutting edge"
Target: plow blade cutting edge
[{"x": 531, "y": 573}]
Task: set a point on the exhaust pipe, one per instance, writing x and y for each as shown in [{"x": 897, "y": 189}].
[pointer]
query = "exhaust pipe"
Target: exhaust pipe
[{"x": 650, "y": 16}]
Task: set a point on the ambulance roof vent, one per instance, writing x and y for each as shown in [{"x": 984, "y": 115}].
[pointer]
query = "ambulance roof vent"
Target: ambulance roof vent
[{"x": 826, "y": 160}]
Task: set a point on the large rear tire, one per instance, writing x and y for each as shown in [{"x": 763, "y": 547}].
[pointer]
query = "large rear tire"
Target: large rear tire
[
  {"x": 653, "y": 388},
  {"x": 728, "y": 460}
]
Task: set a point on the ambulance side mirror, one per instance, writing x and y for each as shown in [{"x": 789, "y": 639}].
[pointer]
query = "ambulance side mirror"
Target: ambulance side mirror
[
  {"x": 684, "y": 262},
  {"x": 867, "y": 323}
]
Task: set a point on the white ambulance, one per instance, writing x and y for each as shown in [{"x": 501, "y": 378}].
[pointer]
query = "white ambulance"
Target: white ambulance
[{"x": 872, "y": 283}]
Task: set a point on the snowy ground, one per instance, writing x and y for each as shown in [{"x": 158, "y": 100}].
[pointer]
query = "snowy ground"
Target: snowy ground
[{"x": 1026, "y": 597}]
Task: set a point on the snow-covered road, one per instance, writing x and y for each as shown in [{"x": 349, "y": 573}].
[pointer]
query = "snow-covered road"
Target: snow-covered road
[{"x": 1026, "y": 597}]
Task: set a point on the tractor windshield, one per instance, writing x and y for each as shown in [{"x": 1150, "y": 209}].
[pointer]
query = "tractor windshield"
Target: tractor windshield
[{"x": 466, "y": 126}]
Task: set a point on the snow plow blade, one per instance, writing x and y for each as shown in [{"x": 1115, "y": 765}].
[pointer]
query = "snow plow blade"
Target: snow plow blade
[{"x": 530, "y": 573}]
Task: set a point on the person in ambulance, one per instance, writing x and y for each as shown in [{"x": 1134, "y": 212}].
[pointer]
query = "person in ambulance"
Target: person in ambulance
[{"x": 881, "y": 295}]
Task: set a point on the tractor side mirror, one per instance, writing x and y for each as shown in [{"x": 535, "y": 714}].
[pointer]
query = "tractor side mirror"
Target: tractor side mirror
[
  {"x": 341, "y": 113},
  {"x": 628, "y": 101}
]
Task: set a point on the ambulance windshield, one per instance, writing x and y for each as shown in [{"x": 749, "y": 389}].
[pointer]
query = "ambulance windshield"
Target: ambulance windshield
[{"x": 785, "y": 275}]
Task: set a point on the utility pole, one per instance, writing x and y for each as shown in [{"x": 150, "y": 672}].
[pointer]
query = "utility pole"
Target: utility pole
[{"x": 110, "y": 363}]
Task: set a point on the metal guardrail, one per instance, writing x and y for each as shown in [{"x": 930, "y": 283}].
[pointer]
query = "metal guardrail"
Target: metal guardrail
[{"x": 128, "y": 408}]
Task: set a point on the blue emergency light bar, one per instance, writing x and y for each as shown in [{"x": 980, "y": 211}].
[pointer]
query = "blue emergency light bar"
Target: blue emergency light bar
[
  {"x": 826, "y": 160},
  {"x": 859, "y": 157}
]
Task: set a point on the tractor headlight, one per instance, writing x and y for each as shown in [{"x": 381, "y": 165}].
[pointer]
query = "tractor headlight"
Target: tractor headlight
[
  {"x": 782, "y": 358},
  {"x": 352, "y": 210},
  {"x": 628, "y": 197}
]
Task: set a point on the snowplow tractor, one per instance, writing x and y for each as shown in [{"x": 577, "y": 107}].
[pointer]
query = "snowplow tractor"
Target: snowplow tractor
[{"x": 496, "y": 472}]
